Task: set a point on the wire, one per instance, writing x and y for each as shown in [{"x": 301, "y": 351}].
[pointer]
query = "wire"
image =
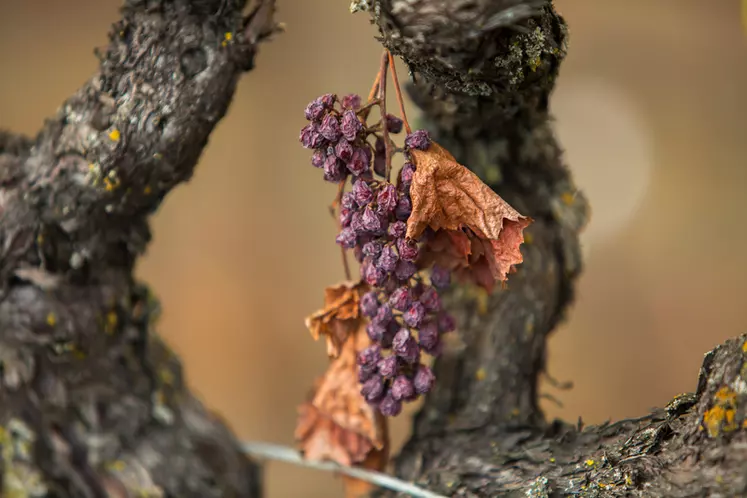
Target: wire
[{"x": 281, "y": 453}]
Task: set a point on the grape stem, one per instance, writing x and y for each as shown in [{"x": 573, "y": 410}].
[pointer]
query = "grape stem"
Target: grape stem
[
  {"x": 382, "y": 106},
  {"x": 398, "y": 92},
  {"x": 286, "y": 454}
]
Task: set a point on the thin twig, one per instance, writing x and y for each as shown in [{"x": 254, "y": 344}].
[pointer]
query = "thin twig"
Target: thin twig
[
  {"x": 398, "y": 93},
  {"x": 382, "y": 105},
  {"x": 281, "y": 453},
  {"x": 371, "y": 96}
]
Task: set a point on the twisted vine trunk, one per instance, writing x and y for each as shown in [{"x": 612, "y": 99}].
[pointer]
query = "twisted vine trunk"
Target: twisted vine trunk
[
  {"x": 93, "y": 404},
  {"x": 483, "y": 72}
]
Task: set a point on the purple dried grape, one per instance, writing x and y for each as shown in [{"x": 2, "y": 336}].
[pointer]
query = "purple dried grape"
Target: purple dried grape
[
  {"x": 405, "y": 347},
  {"x": 376, "y": 332},
  {"x": 418, "y": 139},
  {"x": 379, "y": 157},
  {"x": 402, "y": 388},
  {"x": 408, "y": 170},
  {"x": 404, "y": 208},
  {"x": 334, "y": 170},
  {"x": 356, "y": 223},
  {"x": 362, "y": 193},
  {"x": 371, "y": 222},
  {"x": 440, "y": 277},
  {"x": 317, "y": 159},
  {"x": 423, "y": 379},
  {"x": 386, "y": 200},
  {"x": 388, "y": 367},
  {"x": 446, "y": 323},
  {"x": 374, "y": 276},
  {"x": 360, "y": 162},
  {"x": 315, "y": 110},
  {"x": 328, "y": 100},
  {"x": 408, "y": 250},
  {"x": 400, "y": 299},
  {"x": 344, "y": 150},
  {"x": 428, "y": 336},
  {"x": 405, "y": 270},
  {"x": 348, "y": 201},
  {"x": 393, "y": 124},
  {"x": 351, "y": 101},
  {"x": 308, "y": 136},
  {"x": 373, "y": 389},
  {"x": 372, "y": 248},
  {"x": 351, "y": 125},
  {"x": 330, "y": 128},
  {"x": 383, "y": 315},
  {"x": 369, "y": 356},
  {"x": 365, "y": 373},
  {"x": 347, "y": 238},
  {"x": 431, "y": 300},
  {"x": 388, "y": 259},
  {"x": 346, "y": 215},
  {"x": 397, "y": 229},
  {"x": 414, "y": 314},
  {"x": 390, "y": 407},
  {"x": 369, "y": 304}
]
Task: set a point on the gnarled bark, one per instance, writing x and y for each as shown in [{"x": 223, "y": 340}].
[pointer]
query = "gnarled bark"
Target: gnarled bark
[
  {"x": 91, "y": 402},
  {"x": 482, "y": 73}
]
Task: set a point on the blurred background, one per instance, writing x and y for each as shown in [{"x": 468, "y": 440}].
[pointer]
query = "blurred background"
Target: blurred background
[{"x": 650, "y": 107}]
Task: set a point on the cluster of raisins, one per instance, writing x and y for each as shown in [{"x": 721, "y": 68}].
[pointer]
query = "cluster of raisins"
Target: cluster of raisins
[{"x": 405, "y": 312}]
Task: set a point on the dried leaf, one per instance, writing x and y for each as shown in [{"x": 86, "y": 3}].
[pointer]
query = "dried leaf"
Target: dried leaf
[
  {"x": 340, "y": 316},
  {"x": 482, "y": 228},
  {"x": 337, "y": 424}
]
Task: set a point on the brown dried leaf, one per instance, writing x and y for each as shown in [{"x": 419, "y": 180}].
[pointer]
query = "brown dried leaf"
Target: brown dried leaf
[
  {"x": 340, "y": 316},
  {"x": 482, "y": 227},
  {"x": 337, "y": 424}
]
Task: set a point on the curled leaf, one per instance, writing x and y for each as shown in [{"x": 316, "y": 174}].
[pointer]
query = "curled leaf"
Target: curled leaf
[
  {"x": 483, "y": 230},
  {"x": 340, "y": 316},
  {"x": 337, "y": 424}
]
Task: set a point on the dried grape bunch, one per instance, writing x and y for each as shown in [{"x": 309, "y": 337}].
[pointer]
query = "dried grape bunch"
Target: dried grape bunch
[
  {"x": 408, "y": 235},
  {"x": 404, "y": 311}
]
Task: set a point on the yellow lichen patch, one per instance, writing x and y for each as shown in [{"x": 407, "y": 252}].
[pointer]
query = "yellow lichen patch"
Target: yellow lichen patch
[
  {"x": 721, "y": 417},
  {"x": 114, "y": 135},
  {"x": 226, "y": 39},
  {"x": 111, "y": 322},
  {"x": 589, "y": 462},
  {"x": 147, "y": 190},
  {"x": 568, "y": 198},
  {"x": 528, "y": 239},
  {"x": 110, "y": 184},
  {"x": 481, "y": 374},
  {"x": 166, "y": 376},
  {"x": 725, "y": 395},
  {"x": 116, "y": 465},
  {"x": 744, "y": 344},
  {"x": 552, "y": 459},
  {"x": 51, "y": 319}
]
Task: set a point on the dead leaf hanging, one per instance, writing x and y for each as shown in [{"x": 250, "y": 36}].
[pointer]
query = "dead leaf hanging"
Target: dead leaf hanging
[
  {"x": 340, "y": 316},
  {"x": 337, "y": 424},
  {"x": 481, "y": 227}
]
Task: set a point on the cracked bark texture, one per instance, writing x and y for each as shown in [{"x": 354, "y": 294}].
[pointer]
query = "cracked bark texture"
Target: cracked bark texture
[
  {"x": 482, "y": 72},
  {"x": 92, "y": 403}
]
